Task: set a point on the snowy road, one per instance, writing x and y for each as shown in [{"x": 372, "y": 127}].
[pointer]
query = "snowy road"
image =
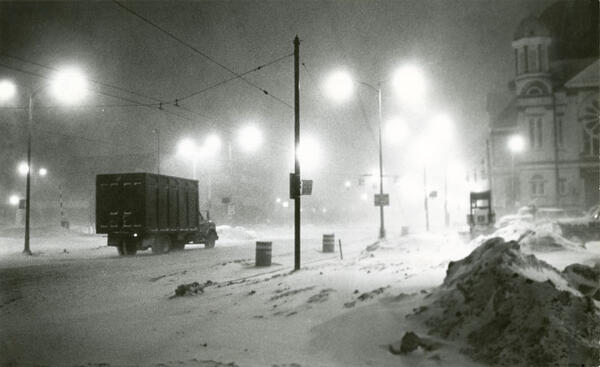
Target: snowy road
[{"x": 77, "y": 302}]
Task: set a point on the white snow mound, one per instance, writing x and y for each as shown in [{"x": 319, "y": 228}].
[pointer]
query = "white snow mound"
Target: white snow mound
[
  {"x": 513, "y": 309},
  {"x": 226, "y": 232}
]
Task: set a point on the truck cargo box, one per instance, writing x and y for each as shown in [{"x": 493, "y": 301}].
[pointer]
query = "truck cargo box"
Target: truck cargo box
[{"x": 145, "y": 203}]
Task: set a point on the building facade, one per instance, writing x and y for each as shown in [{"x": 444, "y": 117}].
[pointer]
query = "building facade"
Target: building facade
[{"x": 554, "y": 108}]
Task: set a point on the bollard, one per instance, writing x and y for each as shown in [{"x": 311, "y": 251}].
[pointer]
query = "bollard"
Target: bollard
[
  {"x": 404, "y": 231},
  {"x": 263, "y": 253},
  {"x": 328, "y": 243}
]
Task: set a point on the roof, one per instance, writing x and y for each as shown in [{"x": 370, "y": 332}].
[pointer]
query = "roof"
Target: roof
[
  {"x": 574, "y": 27},
  {"x": 508, "y": 116},
  {"x": 531, "y": 27},
  {"x": 588, "y": 77}
]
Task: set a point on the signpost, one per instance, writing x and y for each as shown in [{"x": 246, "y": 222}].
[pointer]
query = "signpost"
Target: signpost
[
  {"x": 382, "y": 199},
  {"x": 306, "y": 187}
]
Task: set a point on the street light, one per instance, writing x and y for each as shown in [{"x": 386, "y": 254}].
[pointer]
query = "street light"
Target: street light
[
  {"x": 409, "y": 84},
  {"x": 339, "y": 86},
  {"x": 309, "y": 153},
  {"x": 188, "y": 149},
  {"x": 516, "y": 144},
  {"x": 14, "y": 200},
  {"x": 68, "y": 85},
  {"x": 23, "y": 168},
  {"x": 442, "y": 130},
  {"x": 7, "y": 90},
  {"x": 250, "y": 138}
]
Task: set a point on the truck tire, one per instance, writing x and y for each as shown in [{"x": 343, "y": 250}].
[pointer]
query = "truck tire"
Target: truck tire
[
  {"x": 177, "y": 244},
  {"x": 161, "y": 244},
  {"x": 210, "y": 240}
]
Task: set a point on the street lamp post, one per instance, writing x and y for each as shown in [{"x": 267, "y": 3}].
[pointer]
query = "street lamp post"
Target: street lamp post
[
  {"x": 157, "y": 133},
  {"x": 516, "y": 144},
  {"x": 379, "y": 120},
  {"x": 381, "y": 220},
  {"x": 68, "y": 85},
  {"x": 410, "y": 85}
]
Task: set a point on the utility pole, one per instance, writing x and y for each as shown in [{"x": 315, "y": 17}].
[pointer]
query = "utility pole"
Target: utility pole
[
  {"x": 158, "y": 151},
  {"x": 381, "y": 225},
  {"x": 555, "y": 133},
  {"x": 425, "y": 199},
  {"x": 446, "y": 213},
  {"x": 27, "y": 250},
  {"x": 296, "y": 147}
]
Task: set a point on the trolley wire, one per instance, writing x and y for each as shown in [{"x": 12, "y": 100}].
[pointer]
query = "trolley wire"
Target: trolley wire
[{"x": 202, "y": 53}]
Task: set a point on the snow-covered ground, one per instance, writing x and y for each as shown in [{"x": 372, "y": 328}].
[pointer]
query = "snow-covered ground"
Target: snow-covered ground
[{"x": 76, "y": 302}]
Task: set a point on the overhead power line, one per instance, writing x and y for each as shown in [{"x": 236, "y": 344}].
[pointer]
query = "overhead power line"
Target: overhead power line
[
  {"x": 160, "y": 106},
  {"x": 234, "y": 78},
  {"x": 93, "y": 81},
  {"x": 202, "y": 53}
]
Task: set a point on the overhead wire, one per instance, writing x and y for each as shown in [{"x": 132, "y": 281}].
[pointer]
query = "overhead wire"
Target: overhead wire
[
  {"x": 202, "y": 53},
  {"x": 132, "y": 103},
  {"x": 234, "y": 77},
  {"x": 159, "y": 104}
]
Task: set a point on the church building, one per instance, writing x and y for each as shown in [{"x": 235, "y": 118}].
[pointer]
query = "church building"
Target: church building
[{"x": 544, "y": 142}]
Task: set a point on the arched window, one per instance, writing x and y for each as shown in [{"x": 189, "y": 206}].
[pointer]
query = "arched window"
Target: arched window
[
  {"x": 589, "y": 118},
  {"x": 535, "y": 88},
  {"x": 537, "y": 185}
]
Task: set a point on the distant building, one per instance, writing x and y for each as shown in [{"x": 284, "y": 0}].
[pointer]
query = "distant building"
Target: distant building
[{"x": 554, "y": 107}]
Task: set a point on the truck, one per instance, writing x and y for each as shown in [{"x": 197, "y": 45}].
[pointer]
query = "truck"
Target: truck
[{"x": 138, "y": 211}]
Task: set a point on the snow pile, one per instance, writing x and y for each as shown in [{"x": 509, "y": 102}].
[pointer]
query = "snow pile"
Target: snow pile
[
  {"x": 226, "y": 232},
  {"x": 515, "y": 310},
  {"x": 533, "y": 236}
]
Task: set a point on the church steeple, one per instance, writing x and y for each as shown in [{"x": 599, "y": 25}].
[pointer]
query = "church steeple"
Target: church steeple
[{"x": 531, "y": 43}]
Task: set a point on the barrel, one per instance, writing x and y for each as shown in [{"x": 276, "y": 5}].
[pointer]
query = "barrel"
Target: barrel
[
  {"x": 263, "y": 253},
  {"x": 329, "y": 242}
]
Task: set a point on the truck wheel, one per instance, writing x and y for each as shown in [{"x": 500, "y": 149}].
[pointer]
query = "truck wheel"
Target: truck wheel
[
  {"x": 161, "y": 244},
  {"x": 177, "y": 245},
  {"x": 210, "y": 240}
]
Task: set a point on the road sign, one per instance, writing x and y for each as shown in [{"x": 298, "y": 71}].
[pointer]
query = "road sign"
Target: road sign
[
  {"x": 382, "y": 199},
  {"x": 294, "y": 186},
  {"x": 22, "y": 203},
  {"x": 433, "y": 194},
  {"x": 306, "y": 187}
]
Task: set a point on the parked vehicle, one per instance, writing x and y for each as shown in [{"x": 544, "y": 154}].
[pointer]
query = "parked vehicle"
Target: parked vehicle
[
  {"x": 143, "y": 210},
  {"x": 582, "y": 229},
  {"x": 481, "y": 217}
]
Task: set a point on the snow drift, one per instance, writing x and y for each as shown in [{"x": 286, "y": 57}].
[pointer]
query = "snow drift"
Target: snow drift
[
  {"x": 226, "y": 232},
  {"x": 512, "y": 309},
  {"x": 540, "y": 237}
]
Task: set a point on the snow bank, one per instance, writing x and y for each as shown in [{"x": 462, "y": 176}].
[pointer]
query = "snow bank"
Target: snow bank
[
  {"x": 515, "y": 310},
  {"x": 544, "y": 236},
  {"x": 226, "y": 232}
]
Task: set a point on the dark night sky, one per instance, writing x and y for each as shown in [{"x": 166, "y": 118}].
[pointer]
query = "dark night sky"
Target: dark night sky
[{"x": 463, "y": 47}]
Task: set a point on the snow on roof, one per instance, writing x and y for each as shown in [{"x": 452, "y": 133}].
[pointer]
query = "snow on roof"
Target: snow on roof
[{"x": 588, "y": 77}]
